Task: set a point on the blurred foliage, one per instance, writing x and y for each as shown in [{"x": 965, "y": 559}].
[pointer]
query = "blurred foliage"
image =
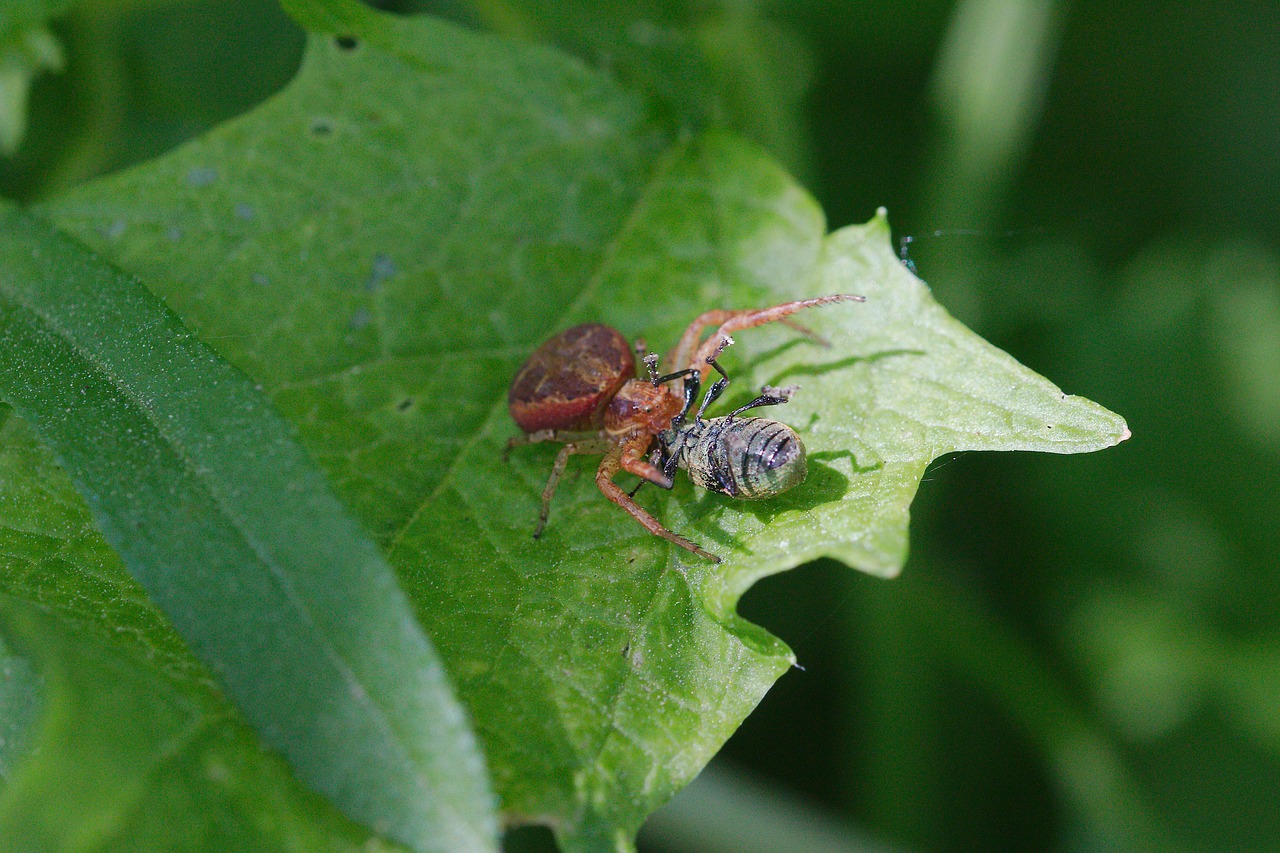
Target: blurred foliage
[{"x": 1127, "y": 248}]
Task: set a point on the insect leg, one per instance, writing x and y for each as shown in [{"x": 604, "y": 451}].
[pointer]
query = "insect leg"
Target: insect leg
[
  {"x": 768, "y": 397},
  {"x": 714, "y": 392},
  {"x": 692, "y": 382}
]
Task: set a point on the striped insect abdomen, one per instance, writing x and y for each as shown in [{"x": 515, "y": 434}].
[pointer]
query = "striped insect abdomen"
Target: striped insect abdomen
[{"x": 748, "y": 458}]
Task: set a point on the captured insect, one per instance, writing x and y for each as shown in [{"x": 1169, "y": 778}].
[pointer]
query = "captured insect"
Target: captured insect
[
  {"x": 581, "y": 388},
  {"x": 749, "y": 458}
]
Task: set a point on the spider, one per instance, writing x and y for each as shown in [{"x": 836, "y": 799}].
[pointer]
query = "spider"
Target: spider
[{"x": 581, "y": 388}]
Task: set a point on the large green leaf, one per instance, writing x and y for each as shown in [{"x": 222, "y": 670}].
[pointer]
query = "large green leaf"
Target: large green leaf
[
  {"x": 220, "y": 516},
  {"x": 137, "y": 751},
  {"x": 380, "y": 245},
  {"x": 129, "y": 761}
]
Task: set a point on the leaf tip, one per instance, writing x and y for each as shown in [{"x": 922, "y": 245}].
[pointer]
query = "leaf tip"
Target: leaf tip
[{"x": 881, "y": 220}]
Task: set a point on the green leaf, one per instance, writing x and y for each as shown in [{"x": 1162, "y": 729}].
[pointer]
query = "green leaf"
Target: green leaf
[
  {"x": 383, "y": 243},
  {"x": 220, "y": 516},
  {"x": 717, "y": 65},
  {"x": 136, "y": 748},
  {"x": 130, "y": 761},
  {"x": 19, "y": 708}
]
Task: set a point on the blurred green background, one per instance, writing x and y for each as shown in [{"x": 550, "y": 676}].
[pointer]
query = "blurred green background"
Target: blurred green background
[{"x": 1083, "y": 652}]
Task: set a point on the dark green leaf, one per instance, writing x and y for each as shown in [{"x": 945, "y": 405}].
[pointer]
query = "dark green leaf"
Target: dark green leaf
[
  {"x": 19, "y": 707},
  {"x": 131, "y": 760},
  {"x": 222, "y": 519}
]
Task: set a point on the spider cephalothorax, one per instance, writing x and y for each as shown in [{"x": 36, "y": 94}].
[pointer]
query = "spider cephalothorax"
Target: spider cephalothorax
[{"x": 580, "y": 388}]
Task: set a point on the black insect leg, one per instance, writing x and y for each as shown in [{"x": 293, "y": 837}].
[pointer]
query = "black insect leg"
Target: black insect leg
[
  {"x": 716, "y": 389},
  {"x": 714, "y": 392},
  {"x": 768, "y": 397}
]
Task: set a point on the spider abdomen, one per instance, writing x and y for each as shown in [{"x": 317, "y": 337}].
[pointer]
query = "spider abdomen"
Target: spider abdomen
[
  {"x": 568, "y": 381},
  {"x": 749, "y": 458}
]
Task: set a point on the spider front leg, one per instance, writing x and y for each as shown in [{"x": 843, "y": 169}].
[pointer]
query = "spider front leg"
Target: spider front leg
[{"x": 629, "y": 458}]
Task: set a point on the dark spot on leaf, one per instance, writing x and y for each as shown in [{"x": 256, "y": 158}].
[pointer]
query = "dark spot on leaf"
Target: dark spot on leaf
[
  {"x": 347, "y": 42},
  {"x": 260, "y": 279},
  {"x": 383, "y": 269},
  {"x": 404, "y": 405},
  {"x": 201, "y": 176},
  {"x": 243, "y": 211},
  {"x": 321, "y": 127},
  {"x": 115, "y": 230},
  {"x": 361, "y": 318},
  {"x": 173, "y": 235}
]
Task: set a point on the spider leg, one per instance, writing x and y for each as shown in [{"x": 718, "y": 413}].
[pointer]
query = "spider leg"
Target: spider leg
[
  {"x": 807, "y": 332},
  {"x": 526, "y": 438},
  {"x": 562, "y": 458},
  {"x": 688, "y": 350},
  {"x": 609, "y": 466},
  {"x": 631, "y": 462},
  {"x": 655, "y": 458},
  {"x": 758, "y": 317},
  {"x": 542, "y": 435}
]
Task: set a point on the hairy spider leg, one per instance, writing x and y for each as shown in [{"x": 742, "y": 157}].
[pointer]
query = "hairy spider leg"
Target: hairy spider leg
[
  {"x": 689, "y": 352},
  {"x": 588, "y": 445},
  {"x": 626, "y": 459},
  {"x": 545, "y": 435}
]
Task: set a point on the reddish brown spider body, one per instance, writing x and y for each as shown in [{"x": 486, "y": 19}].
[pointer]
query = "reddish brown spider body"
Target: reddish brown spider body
[
  {"x": 580, "y": 387},
  {"x": 568, "y": 381}
]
